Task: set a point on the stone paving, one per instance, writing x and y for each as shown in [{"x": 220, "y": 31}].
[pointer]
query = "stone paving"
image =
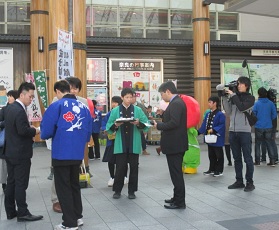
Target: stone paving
[{"x": 210, "y": 205}]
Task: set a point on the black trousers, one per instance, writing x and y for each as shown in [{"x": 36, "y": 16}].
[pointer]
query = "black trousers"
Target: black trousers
[
  {"x": 121, "y": 171},
  {"x": 17, "y": 183},
  {"x": 68, "y": 193},
  {"x": 95, "y": 137},
  {"x": 216, "y": 158},
  {"x": 176, "y": 174},
  {"x": 143, "y": 141}
]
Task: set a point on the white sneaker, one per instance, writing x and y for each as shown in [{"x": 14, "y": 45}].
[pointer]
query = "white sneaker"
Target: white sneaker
[
  {"x": 126, "y": 180},
  {"x": 80, "y": 222},
  {"x": 61, "y": 227},
  {"x": 110, "y": 182}
]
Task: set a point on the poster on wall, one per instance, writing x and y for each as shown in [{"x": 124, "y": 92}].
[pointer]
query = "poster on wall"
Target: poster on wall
[
  {"x": 262, "y": 73},
  {"x": 34, "y": 112},
  {"x": 65, "y": 65},
  {"x": 100, "y": 95},
  {"x": 6, "y": 74},
  {"x": 144, "y": 76},
  {"x": 96, "y": 71}
]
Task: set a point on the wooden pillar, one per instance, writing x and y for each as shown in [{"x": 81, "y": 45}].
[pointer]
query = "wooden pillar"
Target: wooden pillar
[
  {"x": 79, "y": 40},
  {"x": 201, "y": 35},
  {"x": 58, "y": 19},
  {"x": 39, "y": 28},
  {"x": 68, "y": 15}
]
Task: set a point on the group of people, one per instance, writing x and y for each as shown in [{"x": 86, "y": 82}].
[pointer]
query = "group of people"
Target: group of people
[
  {"x": 240, "y": 106},
  {"x": 68, "y": 118},
  {"x": 68, "y": 122}
]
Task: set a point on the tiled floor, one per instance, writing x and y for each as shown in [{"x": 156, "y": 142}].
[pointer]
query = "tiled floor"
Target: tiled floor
[{"x": 210, "y": 205}]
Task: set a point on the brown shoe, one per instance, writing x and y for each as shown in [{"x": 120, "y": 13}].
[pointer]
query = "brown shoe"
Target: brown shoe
[
  {"x": 144, "y": 152},
  {"x": 56, "y": 207},
  {"x": 158, "y": 150}
]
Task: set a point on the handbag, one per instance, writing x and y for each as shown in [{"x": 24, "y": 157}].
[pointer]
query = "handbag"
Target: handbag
[
  {"x": 84, "y": 177},
  {"x": 2, "y": 137},
  {"x": 210, "y": 139},
  {"x": 251, "y": 117}
]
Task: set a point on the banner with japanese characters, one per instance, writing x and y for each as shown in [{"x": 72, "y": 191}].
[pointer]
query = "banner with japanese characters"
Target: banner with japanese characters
[
  {"x": 6, "y": 74},
  {"x": 33, "y": 110},
  {"x": 65, "y": 67},
  {"x": 144, "y": 76},
  {"x": 40, "y": 82}
]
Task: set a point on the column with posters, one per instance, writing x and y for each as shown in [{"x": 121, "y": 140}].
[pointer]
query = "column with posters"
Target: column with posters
[
  {"x": 65, "y": 67},
  {"x": 34, "y": 112},
  {"x": 144, "y": 76},
  {"x": 7, "y": 74}
]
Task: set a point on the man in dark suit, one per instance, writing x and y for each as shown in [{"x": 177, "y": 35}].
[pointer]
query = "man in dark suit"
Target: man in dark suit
[
  {"x": 174, "y": 141},
  {"x": 18, "y": 151}
]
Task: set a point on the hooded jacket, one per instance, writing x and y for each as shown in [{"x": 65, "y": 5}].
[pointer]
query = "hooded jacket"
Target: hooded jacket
[{"x": 235, "y": 106}]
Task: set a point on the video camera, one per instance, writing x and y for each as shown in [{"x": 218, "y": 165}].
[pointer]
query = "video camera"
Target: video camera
[
  {"x": 231, "y": 85},
  {"x": 271, "y": 95}
]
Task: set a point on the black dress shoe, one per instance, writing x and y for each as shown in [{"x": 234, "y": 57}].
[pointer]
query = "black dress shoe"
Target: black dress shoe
[
  {"x": 169, "y": 201},
  {"x": 132, "y": 195},
  {"x": 116, "y": 195},
  {"x": 174, "y": 206},
  {"x": 11, "y": 216},
  {"x": 29, "y": 217}
]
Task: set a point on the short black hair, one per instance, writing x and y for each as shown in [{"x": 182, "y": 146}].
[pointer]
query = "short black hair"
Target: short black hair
[
  {"x": 214, "y": 99},
  {"x": 63, "y": 86},
  {"x": 126, "y": 91},
  {"x": 116, "y": 99},
  {"x": 25, "y": 86},
  {"x": 262, "y": 92},
  {"x": 169, "y": 85},
  {"x": 94, "y": 102},
  {"x": 74, "y": 81},
  {"x": 13, "y": 93},
  {"x": 246, "y": 81},
  {"x": 149, "y": 107}
]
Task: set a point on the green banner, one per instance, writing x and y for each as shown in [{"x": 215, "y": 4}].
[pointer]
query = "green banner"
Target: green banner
[{"x": 41, "y": 86}]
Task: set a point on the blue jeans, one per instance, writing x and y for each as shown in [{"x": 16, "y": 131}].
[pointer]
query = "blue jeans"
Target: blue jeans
[
  {"x": 241, "y": 143},
  {"x": 264, "y": 135}
]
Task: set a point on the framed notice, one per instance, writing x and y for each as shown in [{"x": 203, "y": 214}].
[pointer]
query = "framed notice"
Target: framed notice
[
  {"x": 96, "y": 71},
  {"x": 100, "y": 95},
  {"x": 262, "y": 73},
  {"x": 144, "y": 76},
  {"x": 6, "y": 74}
]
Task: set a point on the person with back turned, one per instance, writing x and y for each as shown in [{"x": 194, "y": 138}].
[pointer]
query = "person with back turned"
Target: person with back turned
[
  {"x": 18, "y": 150},
  {"x": 174, "y": 141}
]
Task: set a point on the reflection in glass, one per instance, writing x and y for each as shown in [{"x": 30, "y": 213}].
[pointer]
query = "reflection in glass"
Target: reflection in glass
[
  {"x": 228, "y": 37},
  {"x": 104, "y": 32},
  {"x": 104, "y": 15},
  {"x": 157, "y": 33},
  {"x": 1, "y": 12},
  {"x": 130, "y": 32},
  {"x": 2, "y": 29},
  {"x": 212, "y": 20},
  {"x": 88, "y": 31},
  {"x": 181, "y": 34},
  {"x": 227, "y": 21},
  {"x": 18, "y": 12},
  {"x": 213, "y": 35},
  {"x": 156, "y": 17},
  {"x": 181, "y": 19},
  {"x": 131, "y": 17},
  {"x": 18, "y": 29}
]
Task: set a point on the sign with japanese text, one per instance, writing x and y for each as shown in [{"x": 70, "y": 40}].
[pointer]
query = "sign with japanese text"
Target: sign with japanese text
[
  {"x": 96, "y": 70},
  {"x": 41, "y": 86},
  {"x": 6, "y": 74},
  {"x": 144, "y": 76},
  {"x": 258, "y": 52},
  {"x": 65, "y": 67},
  {"x": 33, "y": 110}
]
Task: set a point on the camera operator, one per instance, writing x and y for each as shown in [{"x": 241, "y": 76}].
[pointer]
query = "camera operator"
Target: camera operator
[{"x": 235, "y": 103}]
